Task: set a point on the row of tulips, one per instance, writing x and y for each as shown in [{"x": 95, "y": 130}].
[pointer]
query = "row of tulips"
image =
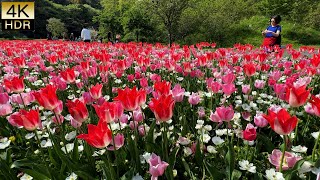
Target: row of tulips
[{"x": 137, "y": 111}]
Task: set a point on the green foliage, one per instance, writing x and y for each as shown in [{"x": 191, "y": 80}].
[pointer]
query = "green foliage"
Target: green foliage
[{"x": 56, "y": 27}]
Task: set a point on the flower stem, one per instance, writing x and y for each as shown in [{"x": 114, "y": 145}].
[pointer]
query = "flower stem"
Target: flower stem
[
  {"x": 315, "y": 148},
  {"x": 41, "y": 151},
  {"x": 283, "y": 152},
  {"x": 114, "y": 148}
]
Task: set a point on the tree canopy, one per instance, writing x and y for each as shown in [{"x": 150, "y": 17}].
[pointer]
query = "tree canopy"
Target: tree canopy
[{"x": 183, "y": 21}]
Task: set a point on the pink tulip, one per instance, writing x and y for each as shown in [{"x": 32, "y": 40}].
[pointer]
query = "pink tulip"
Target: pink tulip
[
  {"x": 178, "y": 93},
  {"x": 228, "y": 89},
  {"x": 27, "y": 98},
  {"x": 308, "y": 108},
  {"x": 5, "y": 109},
  {"x": 118, "y": 142},
  {"x": 144, "y": 82},
  {"x": 141, "y": 130},
  {"x": 259, "y": 84},
  {"x": 87, "y": 98},
  {"x": 138, "y": 115},
  {"x": 260, "y": 121},
  {"x": 4, "y": 98},
  {"x": 215, "y": 117},
  {"x": 229, "y": 78},
  {"x": 124, "y": 118},
  {"x": 246, "y": 89},
  {"x": 59, "y": 108},
  {"x": 225, "y": 113},
  {"x": 58, "y": 119},
  {"x": 289, "y": 159},
  {"x": 201, "y": 112},
  {"x": 157, "y": 167},
  {"x": 194, "y": 99}
]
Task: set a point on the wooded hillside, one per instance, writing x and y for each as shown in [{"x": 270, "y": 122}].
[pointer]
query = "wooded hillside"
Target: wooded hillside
[{"x": 183, "y": 21}]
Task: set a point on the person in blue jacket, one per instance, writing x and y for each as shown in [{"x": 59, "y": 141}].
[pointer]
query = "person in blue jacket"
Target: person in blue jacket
[{"x": 272, "y": 34}]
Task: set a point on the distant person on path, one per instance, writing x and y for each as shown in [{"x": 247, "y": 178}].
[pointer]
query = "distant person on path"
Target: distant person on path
[
  {"x": 110, "y": 37},
  {"x": 118, "y": 38},
  {"x": 86, "y": 35},
  {"x": 272, "y": 35},
  {"x": 49, "y": 36},
  {"x": 71, "y": 37}
]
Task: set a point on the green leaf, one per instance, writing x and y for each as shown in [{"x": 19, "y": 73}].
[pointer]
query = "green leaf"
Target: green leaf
[
  {"x": 236, "y": 174},
  {"x": 150, "y": 137},
  {"x": 173, "y": 156},
  {"x": 36, "y": 175},
  {"x": 214, "y": 173},
  {"x": 5, "y": 170},
  {"x": 83, "y": 175},
  {"x": 230, "y": 157},
  {"x": 198, "y": 154},
  {"x": 289, "y": 174},
  {"x": 266, "y": 142},
  {"x": 22, "y": 163},
  {"x": 75, "y": 152},
  {"x": 187, "y": 168},
  {"x": 128, "y": 175},
  {"x": 258, "y": 176}
]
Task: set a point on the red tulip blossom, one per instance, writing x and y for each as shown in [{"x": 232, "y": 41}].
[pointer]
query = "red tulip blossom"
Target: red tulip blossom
[
  {"x": 99, "y": 136},
  {"x": 47, "y": 97},
  {"x": 162, "y": 87},
  {"x": 30, "y": 120},
  {"x": 78, "y": 110},
  {"x": 109, "y": 111},
  {"x": 15, "y": 85},
  {"x": 162, "y": 107},
  {"x": 68, "y": 75},
  {"x": 315, "y": 103},
  {"x": 249, "y": 69},
  {"x": 96, "y": 91},
  {"x": 131, "y": 98},
  {"x": 250, "y": 133},
  {"x": 281, "y": 122},
  {"x": 297, "y": 96}
]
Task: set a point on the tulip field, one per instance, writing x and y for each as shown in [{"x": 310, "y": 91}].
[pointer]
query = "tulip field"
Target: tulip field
[{"x": 75, "y": 110}]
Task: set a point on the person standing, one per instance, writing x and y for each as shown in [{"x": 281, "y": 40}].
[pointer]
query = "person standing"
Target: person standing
[
  {"x": 71, "y": 37},
  {"x": 272, "y": 33},
  {"x": 86, "y": 35}
]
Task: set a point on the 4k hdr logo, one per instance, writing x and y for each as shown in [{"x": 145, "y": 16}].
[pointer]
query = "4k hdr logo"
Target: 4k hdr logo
[{"x": 17, "y": 15}]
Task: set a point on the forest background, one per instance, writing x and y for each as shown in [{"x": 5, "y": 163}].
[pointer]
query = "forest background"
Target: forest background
[{"x": 225, "y": 22}]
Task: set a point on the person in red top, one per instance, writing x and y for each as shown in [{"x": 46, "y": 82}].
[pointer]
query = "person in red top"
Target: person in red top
[{"x": 272, "y": 33}]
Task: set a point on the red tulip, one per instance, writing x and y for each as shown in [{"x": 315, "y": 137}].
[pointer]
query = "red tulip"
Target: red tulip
[
  {"x": 15, "y": 85},
  {"x": 96, "y": 91},
  {"x": 131, "y": 98},
  {"x": 78, "y": 110},
  {"x": 249, "y": 69},
  {"x": 250, "y": 133},
  {"x": 99, "y": 136},
  {"x": 281, "y": 122},
  {"x": 297, "y": 96},
  {"x": 68, "y": 75},
  {"x": 162, "y": 107},
  {"x": 162, "y": 87},
  {"x": 315, "y": 102},
  {"x": 47, "y": 97},
  {"x": 108, "y": 111},
  {"x": 30, "y": 120}
]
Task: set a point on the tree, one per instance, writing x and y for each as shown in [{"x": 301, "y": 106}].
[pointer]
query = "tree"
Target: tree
[
  {"x": 56, "y": 27},
  {"x": 137, "y": 21},
  {"x": 170, "y": 12}
]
